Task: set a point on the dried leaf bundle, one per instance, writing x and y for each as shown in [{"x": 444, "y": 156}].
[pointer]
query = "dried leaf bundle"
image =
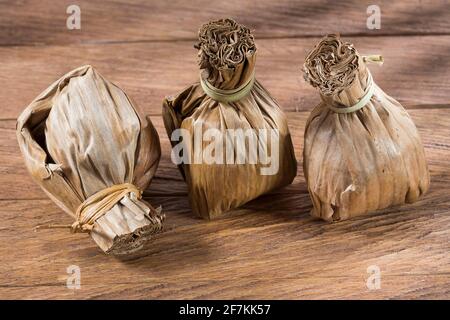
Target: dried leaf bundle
[
  {"x": 362, "y": 151},
  {"x": 228, "y": 97},
  {"x": 88, "y": 148}
]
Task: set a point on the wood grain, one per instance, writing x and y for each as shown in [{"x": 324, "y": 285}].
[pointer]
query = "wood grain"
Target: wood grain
[
  {"x": 44, "y": 22},
  {"x": 150, "y": 71},
  {"x": 270, "y": 248},
  {"x": 394, "y": 287},
  {"x": 288, "y": 254}
]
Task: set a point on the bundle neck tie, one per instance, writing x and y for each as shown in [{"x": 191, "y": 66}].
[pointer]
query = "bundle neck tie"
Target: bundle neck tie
[
  {"x": 227, "y": 96},
  {"x": 96, "y": 206},
  {"x": 370, "y": 88}
]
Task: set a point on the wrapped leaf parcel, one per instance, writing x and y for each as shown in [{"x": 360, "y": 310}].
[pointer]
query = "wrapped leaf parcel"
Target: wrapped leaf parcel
[
  {"x": 362, "y": 151},
  {"x": 229, "y": 136},
  {"x": 85, "y": 144}
]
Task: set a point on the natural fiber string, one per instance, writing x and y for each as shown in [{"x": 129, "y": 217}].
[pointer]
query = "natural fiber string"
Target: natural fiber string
[
  {"x": 374, "y": 58},
  {"x": 96, "y": 206},
  {"x": 368, "y": 93},
  {"x": 228, "y": 95},
  {"x": 362, "y": 102}
]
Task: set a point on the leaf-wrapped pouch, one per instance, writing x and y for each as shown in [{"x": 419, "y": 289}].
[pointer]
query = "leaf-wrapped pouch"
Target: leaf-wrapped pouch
[
  {"x": 228, "y": 98},
  {"x": 362, "y": 151},
  {"x": 88, "y": 148}
]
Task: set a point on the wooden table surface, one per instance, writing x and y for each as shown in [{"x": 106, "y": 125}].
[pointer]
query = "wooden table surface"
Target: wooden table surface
[{"x": 271, "y": 247}]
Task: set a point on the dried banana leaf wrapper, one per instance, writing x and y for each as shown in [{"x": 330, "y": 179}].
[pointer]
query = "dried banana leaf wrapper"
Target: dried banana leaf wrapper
[
  {"x": 227, "y": 59},
  {"x": 357, "y": 161},
  {"x": 83, "y": 137}
]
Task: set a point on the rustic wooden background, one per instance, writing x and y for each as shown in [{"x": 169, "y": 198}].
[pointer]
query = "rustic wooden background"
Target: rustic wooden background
[{"x": 271, "y": 248}]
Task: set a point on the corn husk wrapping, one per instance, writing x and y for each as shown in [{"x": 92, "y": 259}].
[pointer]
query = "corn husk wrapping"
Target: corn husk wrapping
[
  {"x": 82, "y": 135},
  {"x": 361, "y": 161},
  {"x": 227, "y": 56}
]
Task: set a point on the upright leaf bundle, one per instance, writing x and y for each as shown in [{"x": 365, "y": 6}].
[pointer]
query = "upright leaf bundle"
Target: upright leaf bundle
[
  {"x": 228, "y": 100},
  {"x": 362, "y": 151},
  {"x": 93, "y": 154}
]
